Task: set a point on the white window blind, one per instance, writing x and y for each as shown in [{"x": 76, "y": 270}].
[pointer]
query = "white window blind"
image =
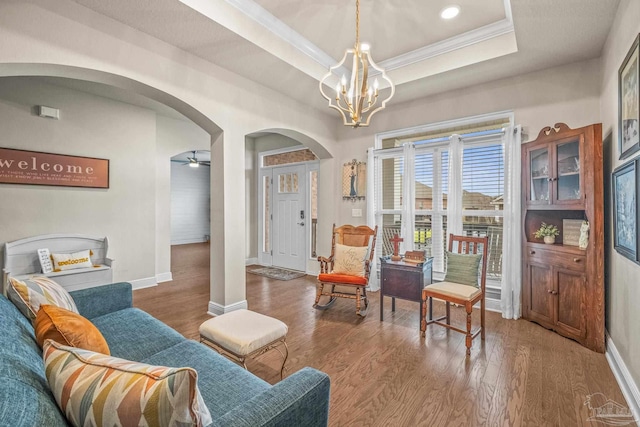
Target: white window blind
[{"x": 456, "y": 185}]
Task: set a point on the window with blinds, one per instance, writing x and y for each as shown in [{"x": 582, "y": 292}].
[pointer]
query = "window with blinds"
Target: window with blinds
[{"x": 456, "y": 185}]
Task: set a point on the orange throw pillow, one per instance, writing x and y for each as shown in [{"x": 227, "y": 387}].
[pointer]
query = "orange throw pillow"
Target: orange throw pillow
[{"x": 68, "y": 328}]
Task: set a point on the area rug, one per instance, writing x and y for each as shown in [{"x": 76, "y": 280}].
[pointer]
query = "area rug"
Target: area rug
[{"x": 275, "y": 273}]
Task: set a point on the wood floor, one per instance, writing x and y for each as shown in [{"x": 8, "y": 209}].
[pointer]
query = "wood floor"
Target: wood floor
[{"x": 384, "y": 374}]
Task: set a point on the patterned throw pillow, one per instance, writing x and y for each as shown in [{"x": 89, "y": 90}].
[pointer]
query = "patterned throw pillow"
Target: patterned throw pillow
[
  {"x": 349, "y": 260},
  {"x": 463, "y": 268},
  {"x": 80, "y": 259},
  {"x": 29, "y": 294},
  {"x": 99, "y": 390},
  {"x": 68, "y": 328}
]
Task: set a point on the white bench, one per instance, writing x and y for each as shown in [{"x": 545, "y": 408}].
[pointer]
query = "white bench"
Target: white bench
[{"x": 21, "y": 260}]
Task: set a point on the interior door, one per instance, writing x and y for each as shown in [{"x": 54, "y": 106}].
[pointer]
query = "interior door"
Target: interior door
[{"x": 289, "y": 217}]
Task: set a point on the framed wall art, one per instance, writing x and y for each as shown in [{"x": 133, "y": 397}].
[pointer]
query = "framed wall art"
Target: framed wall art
[
  {"x": 354, "y": 180},
  {"x": 36, "y": 168},
  {"x": 629, "y": 103},
  {"x": 625, "y": 210}
]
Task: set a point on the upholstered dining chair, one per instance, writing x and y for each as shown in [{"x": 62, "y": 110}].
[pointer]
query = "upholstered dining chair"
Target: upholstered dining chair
[
  {"x": 464, "y": 284},
  {"x": 345, "y": 274}
]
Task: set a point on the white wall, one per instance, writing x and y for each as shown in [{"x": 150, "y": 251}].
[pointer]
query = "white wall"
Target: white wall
[
  {"x": 623, "y": 287},
  {"x": 89, "y": 126},
  {"x": 190, "y": 205}
]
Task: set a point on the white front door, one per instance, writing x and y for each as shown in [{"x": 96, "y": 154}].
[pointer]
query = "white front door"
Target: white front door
[{"x": 289, "y": 217}]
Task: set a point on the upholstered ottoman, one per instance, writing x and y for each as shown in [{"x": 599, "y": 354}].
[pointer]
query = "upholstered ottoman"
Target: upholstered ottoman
[{"x": 244, "y": 333}]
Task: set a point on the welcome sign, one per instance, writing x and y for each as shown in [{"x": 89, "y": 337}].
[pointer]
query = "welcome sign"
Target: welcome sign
[{"x": 36, "y": 168}]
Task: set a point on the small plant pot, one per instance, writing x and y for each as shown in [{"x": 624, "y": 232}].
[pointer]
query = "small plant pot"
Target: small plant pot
[{"x": 549, "y": 240}]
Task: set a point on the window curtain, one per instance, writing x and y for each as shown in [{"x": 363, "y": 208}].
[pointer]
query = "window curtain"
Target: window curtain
[{"x": 510, "y": 299}]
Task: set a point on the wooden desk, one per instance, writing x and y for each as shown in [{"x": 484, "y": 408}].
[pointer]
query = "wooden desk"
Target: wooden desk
[{"x": 399, "y": 279}]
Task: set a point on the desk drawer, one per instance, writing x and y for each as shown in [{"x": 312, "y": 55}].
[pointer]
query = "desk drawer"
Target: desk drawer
[{"x": 557, "y": 259}]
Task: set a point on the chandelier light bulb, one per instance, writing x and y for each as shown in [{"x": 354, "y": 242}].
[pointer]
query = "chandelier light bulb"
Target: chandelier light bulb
[
  {"x": 376, "y": 84},
  {"x": 343, "y": 81},
  {"x": 365, "y": 47}
]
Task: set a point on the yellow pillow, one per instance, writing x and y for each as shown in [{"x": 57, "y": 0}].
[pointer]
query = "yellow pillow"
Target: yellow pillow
[
  {"x": 68, "y": 328},
  {"x": 80, "y": 259},
  {"x": 99, "y": 390},
  {"x": 349, "y": 259}
]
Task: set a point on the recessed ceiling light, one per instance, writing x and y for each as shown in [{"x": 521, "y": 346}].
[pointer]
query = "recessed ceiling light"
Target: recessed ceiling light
[{"x": 450, "y": 12}]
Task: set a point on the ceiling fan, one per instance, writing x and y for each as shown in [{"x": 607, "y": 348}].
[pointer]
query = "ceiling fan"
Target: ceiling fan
[{"x": 193, "y": 161}]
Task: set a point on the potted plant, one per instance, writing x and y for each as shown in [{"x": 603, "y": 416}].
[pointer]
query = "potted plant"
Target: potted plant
[{"x": 548, "y": 232}]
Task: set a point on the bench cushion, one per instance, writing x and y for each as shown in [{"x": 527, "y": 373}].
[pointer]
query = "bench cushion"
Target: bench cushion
[{"x": 243, "y": 331}]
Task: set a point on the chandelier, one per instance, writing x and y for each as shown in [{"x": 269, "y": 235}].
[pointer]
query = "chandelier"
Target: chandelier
[{"x": 356, "y": 99}]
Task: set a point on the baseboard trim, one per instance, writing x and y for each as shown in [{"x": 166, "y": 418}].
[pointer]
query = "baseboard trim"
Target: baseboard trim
[
  {"x": 492, "y": 305},
  {"x": 216, "y": 309},
  {"x": 251, "y": 261},
  {"x": 147, "y": 282},
  {"x": 164, "y": 277},
  {"x": 623, "y": 377}
]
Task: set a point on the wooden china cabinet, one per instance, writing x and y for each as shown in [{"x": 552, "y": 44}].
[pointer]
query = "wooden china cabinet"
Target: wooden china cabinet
[{"x": 563, "y": 285}]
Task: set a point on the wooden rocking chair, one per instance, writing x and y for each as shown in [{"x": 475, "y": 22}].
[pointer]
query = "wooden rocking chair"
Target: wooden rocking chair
[{"x": 358, "y": 237}]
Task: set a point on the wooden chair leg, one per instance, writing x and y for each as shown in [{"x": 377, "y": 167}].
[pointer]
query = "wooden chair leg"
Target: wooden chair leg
[
  {"x": 482, "y": 307},
  {"x": 358, "y": 301},
  {"x": 448, "y": 313},
  {"x": 468, "y": 339},
  {"x": 423, "y": 316},
  {"x": 319, "y": 294}
]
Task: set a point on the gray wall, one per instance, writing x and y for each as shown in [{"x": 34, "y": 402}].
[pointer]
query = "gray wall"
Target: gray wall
[
  {"x": 134, "y": 213},
  {"x": 623, "y": 286},
  {"x": 89, "y": 126}
]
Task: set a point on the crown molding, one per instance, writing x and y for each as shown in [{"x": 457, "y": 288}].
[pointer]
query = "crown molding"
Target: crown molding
[
  {"x": 263, "y": 17},
  {"x": 451, "y": 44}
]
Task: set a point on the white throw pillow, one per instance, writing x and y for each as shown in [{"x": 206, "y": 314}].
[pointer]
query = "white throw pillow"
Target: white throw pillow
[
  {"x": 349, "y": 259},
  {"x": 80, "y": 259}
]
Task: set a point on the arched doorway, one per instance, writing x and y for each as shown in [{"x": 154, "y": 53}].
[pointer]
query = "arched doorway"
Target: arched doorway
[{"x": 282, "y": 202}]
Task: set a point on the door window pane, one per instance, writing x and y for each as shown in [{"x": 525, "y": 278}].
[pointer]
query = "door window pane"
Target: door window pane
[{"x": 266, "y": 213}]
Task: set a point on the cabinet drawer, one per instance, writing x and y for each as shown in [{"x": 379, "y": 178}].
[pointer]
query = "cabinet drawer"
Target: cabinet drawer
[{"x": 556, "y": 258}]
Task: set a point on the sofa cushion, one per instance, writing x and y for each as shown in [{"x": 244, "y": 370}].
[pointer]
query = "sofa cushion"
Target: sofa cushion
[
  {"x": 96, "y": 389},
  {"x": 133, "y": 334},
  {"x": 29, "y": 294},
  {"x": 25, "y": 397},
  {"x": 223, "y": 384},
  {"x": 68, "y": 328}
]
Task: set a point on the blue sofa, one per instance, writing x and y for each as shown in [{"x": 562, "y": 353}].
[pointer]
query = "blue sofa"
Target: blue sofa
[{"x": 234, "y": 396}]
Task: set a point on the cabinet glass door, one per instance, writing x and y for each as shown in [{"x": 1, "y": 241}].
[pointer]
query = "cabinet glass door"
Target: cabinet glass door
[
  {"x": 539, "y": 168},
  {"x": 568, "y": 167}
]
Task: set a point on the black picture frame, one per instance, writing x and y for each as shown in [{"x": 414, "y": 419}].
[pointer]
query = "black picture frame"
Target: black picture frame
[
  {"x": 626, "y": 207},
  {"x": 629, "y": 102}
]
